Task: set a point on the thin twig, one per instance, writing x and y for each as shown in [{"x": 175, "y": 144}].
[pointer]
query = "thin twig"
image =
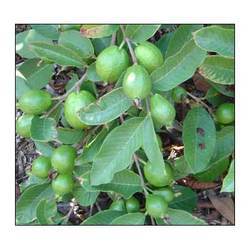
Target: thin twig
[
  {"x": 63, "y": 97},
  {"x": 134, "y": 59},
  {"x": 140, "y": 174},
  {"x": 113, "y": 39},
  {"x": 197, "y": 99},
  {"x": 152, "y": 221},
  {"x": 147, "y": 105}
]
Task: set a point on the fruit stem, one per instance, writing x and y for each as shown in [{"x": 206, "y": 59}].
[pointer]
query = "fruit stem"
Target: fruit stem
[
  {"x": 147, "y": 105},
  {"x": 63, "y": 97},
  {"x": 132, "y": 53},
  {"x": 121, "y": 45},
  {"x": 152, "y": 221}
]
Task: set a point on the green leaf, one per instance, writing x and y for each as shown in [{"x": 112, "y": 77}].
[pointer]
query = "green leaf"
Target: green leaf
[
  {"x": 181, "y": 168},
  {"x": 92, "y": 148},
  {"x": 130, "y": 219},
  {"x": 31, "y": 181},
  {"x": 224, "y": 143},
  {"x": 103, "y": 217},
  {"x": 228, "y": 182},
  {"x": 43, "y": 129},
  {"x": 98, "y": 31},
  {"x": 21, "y": 85},
  {"x": 29, "y": 200},
  {"x": 44, "y": 148},
  {"x": 214, "y": 170},
  {"x": 73, "y": 40},
  {"x": 85, "y": 194},
  {"x": 106, "y": 109},
  {"x": 216, "y": 39},
  {"x": 180, "y": 217},
  {"x": 37, "y": 73},
  {"x": 140, "y": 33},
  {"x": 91, "y": 73},
  {"x": 151, "y": 146},
  {"x": 46, "y": 30},
  {"x": 125, "y": 183},
  {"x": 181, "y": 37},
  {"x": 226, "y": 90},
  {"x": 116, "y": 151},
  {"x": 163, "y": 42},
  {"x": 69, "y": 136},
  {"x": 218, "y": 69},
  {"x": 219, "y": 161},
  {"x": 178, "y": 68},
  {"x": 100, "y": 44},
  {"x": 199, "y": 137},
  {"x": 46, "y": 209},
  {"x": 23, "y": 41},
  {"x": 186, "y": 199},
  {"x": 57, "y": 54},
  {"x": 57, "y": 113}
]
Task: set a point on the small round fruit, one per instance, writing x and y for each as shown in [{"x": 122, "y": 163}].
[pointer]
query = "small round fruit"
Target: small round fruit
[
  {"x": 149, "y": 56},
  {"x": 155, "y": 176},
  {"x": 162, "y": 110},
  {"x": 73, "y": 103},
  {"x": 118, "y": 205},
  {"x": 35, "y": 102},
  {"x": 179, "y": 94},
  {"x": 23, "y": 125},
  {"x": 111, "y": 62},
  {"x": 167, "y": 193},
  {"x": 63, "y": 159},
  {"x": 41, "y": 167},
  {"x": 137, "y": 82},
  {"x": 156, "y": 206},
  {"x": 225, "y": 113},
  {"x": 132, "y": 205},
  {"x": 63, "y": 184}
]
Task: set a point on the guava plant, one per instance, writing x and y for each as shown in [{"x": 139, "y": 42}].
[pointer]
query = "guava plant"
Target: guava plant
[{"x": 129, "y": 124}]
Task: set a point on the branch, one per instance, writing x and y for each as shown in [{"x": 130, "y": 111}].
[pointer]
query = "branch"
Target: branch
[{"x": 132, "y": 53}]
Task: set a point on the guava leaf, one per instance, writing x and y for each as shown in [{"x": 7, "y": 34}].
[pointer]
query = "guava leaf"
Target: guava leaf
[
  {"x": 73, "y": 40},
  {"x": 140, "y": 33},
  {"x": 106, "y": 109},
  {"x": 57, "y": 54},
  {"x": 218, "y": 69},
  {"x": 29, "y": 200},
  {"x": 125, "y": 183},
  {"x": 21, "y": 85},
  {"x": 117, "y": 150},
  {"x": 227, "y": 90},
  {"x": 186, "y": 199},
  {"x": 92, "y": 148},
  {"x": 85, "y": 194},
  {"x": 47, "y": 30},
  {"x": 151, "y": 146},
  {"x": 181, "y": 168},
  {"x": 36, "y": 72},
  {"x": 44, "y": 148},
  {"x": 163, "y": 42},
  {"x": 199, "y": 137},
  {"x": 102, "y": 218},
  {"x": 178, "y": 68},
  {"x": 23, "y": 41},
  {"x": 91, "y": 73},
  {"x": 180, "y": 217},
  {"x": 69, "y": 136},
  {"x": 228, "y": 182},
  {"x": 46, "y": 209},
  {"x": 181, "y": 36},
  {"x": 130, "y": 219},
  {"x": 216, "y": 39},
  {"x": 98, "y": 30},
  {"x": 43, "y": 129}
]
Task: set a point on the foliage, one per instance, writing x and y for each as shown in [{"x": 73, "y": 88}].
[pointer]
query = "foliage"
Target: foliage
[{"x": 139, "y": 101}]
